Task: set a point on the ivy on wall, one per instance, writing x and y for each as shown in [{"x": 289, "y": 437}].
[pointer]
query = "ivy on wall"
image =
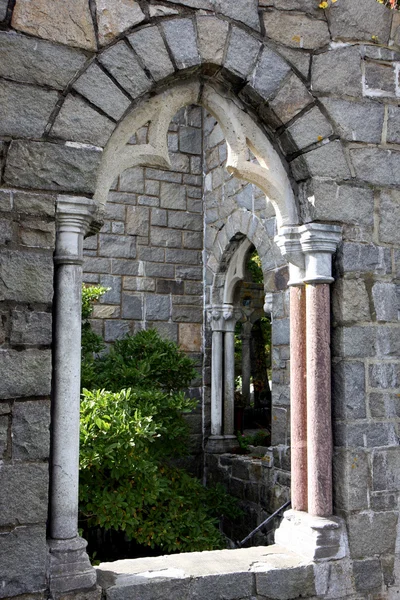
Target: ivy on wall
[{"x": 392, "y": 4}]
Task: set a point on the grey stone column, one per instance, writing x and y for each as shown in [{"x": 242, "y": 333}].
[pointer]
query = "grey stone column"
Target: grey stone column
[
  {"x": 70, "y": 568},
  {"x": 216, "y": 322},
  {"x": 230, "y": 318}
]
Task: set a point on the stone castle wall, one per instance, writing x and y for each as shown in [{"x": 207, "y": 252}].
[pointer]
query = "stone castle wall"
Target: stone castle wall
[{"x": 324, "y": 86}]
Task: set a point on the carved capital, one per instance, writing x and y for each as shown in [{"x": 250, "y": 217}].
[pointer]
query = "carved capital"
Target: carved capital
[
  {"x": 288, "y": 241},
  {"x": 318, "y": 242},
  {"x": 74, "y": 216}
]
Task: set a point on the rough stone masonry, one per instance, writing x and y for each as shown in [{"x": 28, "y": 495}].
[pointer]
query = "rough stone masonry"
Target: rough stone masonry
[{"x": 323, "y": 87}]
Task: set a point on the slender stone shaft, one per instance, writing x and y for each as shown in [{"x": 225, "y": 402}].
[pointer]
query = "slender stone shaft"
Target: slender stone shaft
[
  {"x": 319, "y": 421},
  {"x": 229, "y": 382},
  {"x": 298, "y": 397},
  {"x": 246, "y": 363},
  {"x": 73, "y": 216},
  {"x": 216, "y": 382}
]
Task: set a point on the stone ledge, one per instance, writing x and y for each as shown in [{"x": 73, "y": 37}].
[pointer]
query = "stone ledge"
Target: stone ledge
[{"x": 228, "y": 574}]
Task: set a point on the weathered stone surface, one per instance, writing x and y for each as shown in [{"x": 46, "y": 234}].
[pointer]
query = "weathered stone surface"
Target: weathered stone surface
[
  {"x": 79, "y": 122},
  {"x": 27, "y": 485},
  {"x": 351, "y": 475},
  {"x": 299, "y": 59},
  {"x": 173, "y": 196},
  {"x": 34, "y": 204},
  {"x": 372, "y": 533},
  {"x": 240, "y": 10},
  {"x": 190, "y": 337},
  {"x": 389, "y": 216},
  {"x": 181, "y": 38},
  {"x": 348, "y": 386},
  {"x": 137, "y": 220},
  {"x": 380, "y": 167},
  {"x": 384, "y": 375},
  {"x": 310, "y": 128},
  {"x": 326, "y": 161},
  {"x": 132, "y": 180},
  {"x": 242, "y": 52},
  {"x": 31, "y": 430},
  {"x": 385, "y": 301},
  {"x": 350, "y": 301},
  {"x": 361, "y": 22},
  {"x": 296, "y": 30},
  {"x": 3, "y": 9},
  {"x": 354, "y": 342},
  {"x": 356, "y": 121},
  {"x": 159, "y": 10},
  {"x": 292, "y": 97},
  {"x": 26, "y": 277},
  {"x": 123, "y": 65},
  {"x": 393, "y": 125},
  {"x": 150, "y": 47},
  {"x": 380, "y": 79},
  {"x": 283, "y": 584},
  {"x": 327, "y": 201},
  {"x": 23, "y": 550},
  {"x": 115, "y": 17},
  {"x": 365, "y": 435},
  {"x": 384, "y": 405},
  {"x": 117, "y": 246},
  {"x": 32, "y": 60},
  {"x": 36, "y": 234},
  {"x": 4, "y": 426},
  {"x": 190, "y": 140},
  {"x": 26, "y": 373},
  {"x": 97, "y": 87},
  {"x": 386, "y": 470},
  {"x": 280, "y": 332},
  {"x": 48, "y": 166},
  {"x": 114, "y": 330},
  {"x": 336, "y": 70},
  {"x": 212, "y": 34},
  {"x": 270, "y": 72},
  {"x": 158, "y": 308},
  {"x": 365, "y": 257},
  {"x": 131, "y": 306},
  {"x": 367, "y": 574},
  {"x": 26, "y": 109},
  {"x": 56, "y": 21},
  {"x": 163, "y": 236},
  {"x": 30, "y": 328}
]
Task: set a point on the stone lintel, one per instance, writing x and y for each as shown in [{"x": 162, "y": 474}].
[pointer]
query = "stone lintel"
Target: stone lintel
[
  {"x": 315, "y": 538},
  {"x": 220, "y": 444}
]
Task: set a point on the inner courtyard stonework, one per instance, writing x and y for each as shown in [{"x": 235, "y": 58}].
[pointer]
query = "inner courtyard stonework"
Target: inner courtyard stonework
[{"x": 150, "y": 147}]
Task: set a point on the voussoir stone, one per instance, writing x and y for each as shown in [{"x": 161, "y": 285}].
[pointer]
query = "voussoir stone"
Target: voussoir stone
[
  {"x": 79, "y": 122},
  {"x": 389, "y": 216},
  {"x": 298, "y": 58},
  {"x": 25, "y": 109},
  {"x": 356, "y": 121},
  {"x": 115, "y": 17},
  {"x": 269, "y": 73},
  {"x": 43, "y": 165},
  {"x": 149, "y": 46},
  {"x": 25, "y": 373},
  {"x": 69, "y": 23},
  {"x": 296, "y": 30},
  {"x": 310, "y": 128},
  {"x": 292, "y": 97},
  {"x": 182, "y": 41},
  {"x": 245, "y": 11},
  {"x": 123, "y": 65},
  {"x": 97, "y": 87},
  {"x": 327, "y": 160},
  {"x": 32, "y": 60},
  {"x": 212, "y": 34},
  {"x": 242, "y": 52},
  {"x": 337, "y": 71},
  {"x": 359, "y": 21}
]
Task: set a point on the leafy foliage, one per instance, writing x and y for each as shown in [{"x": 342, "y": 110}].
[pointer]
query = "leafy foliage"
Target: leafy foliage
[
  {"x": 255, "y": 268},
  {"x": 392, "y": 4},
  {"x": 131, "y": 426}
]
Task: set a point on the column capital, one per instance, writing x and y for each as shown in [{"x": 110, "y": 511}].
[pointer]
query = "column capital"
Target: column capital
[
  {"x": 74, "y": 215},
  {"x": 223, "y": 318},
  {"x": 318, "y": 242},
  {"x": 288, "y": 241}
]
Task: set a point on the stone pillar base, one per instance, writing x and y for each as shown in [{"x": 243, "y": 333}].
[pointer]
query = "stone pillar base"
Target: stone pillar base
[
  {"x": 315, "y": 538},
  {"x": 69, "y": 566},
  {"x": 221, "y": 444}
]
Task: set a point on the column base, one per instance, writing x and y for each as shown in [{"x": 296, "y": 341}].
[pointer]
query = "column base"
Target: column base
[
  {"x": 315, "y": 538},
  {"x": 221, "y": 444},
  {"x": 69, "y": 566}
]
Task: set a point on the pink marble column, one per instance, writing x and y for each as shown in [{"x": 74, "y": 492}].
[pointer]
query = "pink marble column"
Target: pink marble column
[
  {"x": 319, "y": 421},
  {"x": 298, "y": 397}
]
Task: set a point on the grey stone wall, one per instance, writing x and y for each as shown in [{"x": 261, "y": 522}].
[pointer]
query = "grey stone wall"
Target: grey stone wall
[
  {"x": 26, "y": 292},
  {"x": 324, "y": 85}
]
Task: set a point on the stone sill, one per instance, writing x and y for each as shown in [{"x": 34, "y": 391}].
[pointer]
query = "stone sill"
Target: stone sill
[{"x": 271, "y": 571}]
